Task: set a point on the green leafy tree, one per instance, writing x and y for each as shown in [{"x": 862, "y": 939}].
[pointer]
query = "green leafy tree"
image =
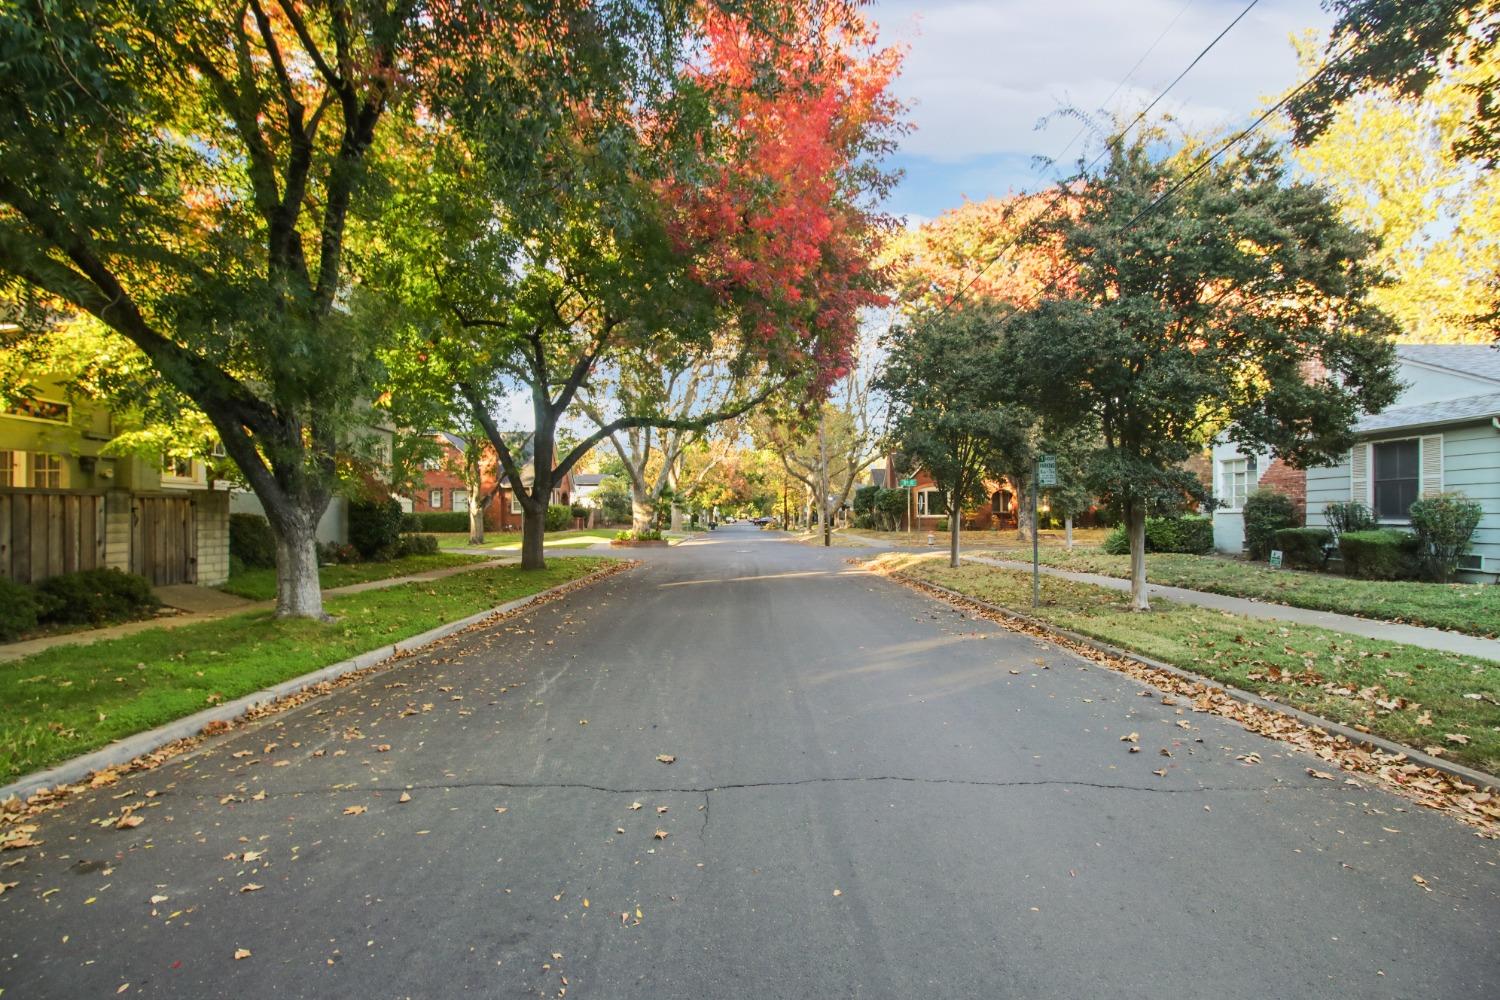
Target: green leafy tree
[
  {"x": 1238, "y": 303},
  {"x": 191, "y": 174},
  {"x": 943, "y": 377}
]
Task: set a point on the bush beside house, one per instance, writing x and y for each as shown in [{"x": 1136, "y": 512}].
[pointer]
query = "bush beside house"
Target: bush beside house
[
  {"x": 85, "y": 597},
  {"x": 1267, "y": 511}
]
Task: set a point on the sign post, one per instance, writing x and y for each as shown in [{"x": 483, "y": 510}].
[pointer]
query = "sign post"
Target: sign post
[
  {"x": 1044, "y": 474},
  {"x": 911, "y": 500}
]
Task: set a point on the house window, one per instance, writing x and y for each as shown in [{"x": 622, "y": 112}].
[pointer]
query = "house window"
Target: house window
[
  {"x": 46, "y": 471},
  {"x": 1000, "y": 502},
  {"x": 1398, "y": 473},
  {"x": 515, "y": 505},
  {"x": 432, "y": 464},
  {"x": 49, "y": 410},
  {"x": 1236, "y": 480},
  {"x": 435, "y": 499},
  {"x": 7, "y": 468},
  {"x": 174, "y": 467},
  {"x": 460, "y": 499},
  {"x": 930, "y": 503}
]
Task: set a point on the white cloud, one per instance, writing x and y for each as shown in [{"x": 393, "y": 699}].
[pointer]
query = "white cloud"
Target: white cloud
[{"x": 980, "y": 75}]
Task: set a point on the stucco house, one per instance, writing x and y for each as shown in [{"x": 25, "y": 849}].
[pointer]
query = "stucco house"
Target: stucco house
[{"x": 1442, "y": 434}]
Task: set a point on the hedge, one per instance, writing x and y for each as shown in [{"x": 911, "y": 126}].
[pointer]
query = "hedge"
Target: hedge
[
  {"x": 1190, "y": 535},
  {"x": 1303, "y": 548},
  {"x": 18, "y": 609},
  {"x": 93, "y": 596},
  {"x": 1383, "y": 554},
  {"x": 447, "y": 521},
  {"x": 251, "y": 541},
  {"x": 559, "y": 515}
]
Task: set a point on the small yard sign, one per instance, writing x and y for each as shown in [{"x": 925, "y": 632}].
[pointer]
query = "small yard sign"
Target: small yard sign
[
  {"x": 1275, "y": 558},
  {"x": 1046, "y": 470}
]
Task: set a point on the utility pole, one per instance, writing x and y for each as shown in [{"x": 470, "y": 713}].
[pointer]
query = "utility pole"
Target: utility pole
[
  {"x": 823, "y": 518},
  {"x": 1036, "y": 554}
]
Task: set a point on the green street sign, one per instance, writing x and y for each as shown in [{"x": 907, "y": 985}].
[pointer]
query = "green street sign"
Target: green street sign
[
  {"x": 908, "y": 483},
  {"x": 1046, "y": 470}
]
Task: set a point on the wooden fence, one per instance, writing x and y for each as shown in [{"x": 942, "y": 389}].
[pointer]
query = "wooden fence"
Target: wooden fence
[{"x": 47, "y": 532}]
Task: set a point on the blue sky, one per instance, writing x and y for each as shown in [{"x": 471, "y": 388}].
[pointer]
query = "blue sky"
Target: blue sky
[{"x": 980, "y": 74}]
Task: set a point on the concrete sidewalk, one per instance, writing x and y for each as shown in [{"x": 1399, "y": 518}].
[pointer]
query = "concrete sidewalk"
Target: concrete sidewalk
[
  {"x": 1411, "y": 635},
  {"x": 234, "y": 606}
]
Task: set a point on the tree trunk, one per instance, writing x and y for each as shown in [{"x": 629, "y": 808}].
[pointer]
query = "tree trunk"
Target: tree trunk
[
  {"x": 476, "y": 521},
  {"x": 1024, "y": 522},
  {"x": 642, "y": 511},
  {"x": 676, "y": 518},
  {"x": 1068, "y": 531},
  {"x": 955, "y": 523},
  {"x": 824, "y": 521},
  {"x": 533, "y": 536},
  {"x": 1135, "y": 526},
  {"x": 298, "y": 592},
  {"x": 474, "y": 483}
]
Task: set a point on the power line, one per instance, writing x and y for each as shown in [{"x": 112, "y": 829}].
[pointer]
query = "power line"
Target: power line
[
  {"x": 1062, "y": 189},
  {"x": 1187, "y": 178}
]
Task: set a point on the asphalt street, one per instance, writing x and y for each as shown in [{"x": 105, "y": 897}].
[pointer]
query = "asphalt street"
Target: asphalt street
[{"x": 869, "y": 795}]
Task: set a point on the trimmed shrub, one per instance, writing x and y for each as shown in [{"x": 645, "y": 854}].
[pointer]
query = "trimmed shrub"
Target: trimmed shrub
[
  {"x": 581, "y": 512},
  {"x": 251, "y": 541},
  {"x": 1303, "y": 548},
  {"x": 1349, "y": 516},
  {"x": 863, "y": 501},
  {"x": 1444, "y": 526},
  {"x": 375, "y": 527},
  {"x": 447, "y": 521},
  {"x": 1383, "y": 554},
  {"x": 1117, "y": 542},
  {"x": 890, "y": 508},
  {"x": 417, "y": 545},
  {"x": 18, "y": 610},
  {"x": 1267, "y": 511},
  {"x": 92, "y": 596},
  {"x": 1190, "y": 535},
  {"x": 558, "y": 516},
  {"x": 942, "y": 525},
  {"x": 649, "y": 535},
  {"x": 334, "y": 553}
]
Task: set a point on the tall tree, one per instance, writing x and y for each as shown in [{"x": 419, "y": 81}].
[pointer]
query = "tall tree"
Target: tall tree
[
  {"x": 1232, "y": 300},
  {"x": 664, "y": 208},
  {"x": 944, "y": 378},
  {"x": 189, "y": 174}
]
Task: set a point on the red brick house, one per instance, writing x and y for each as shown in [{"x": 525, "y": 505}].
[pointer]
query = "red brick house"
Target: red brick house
[
  {"x": 443, "y": 488},
  {"x": 930, "y": 506}
]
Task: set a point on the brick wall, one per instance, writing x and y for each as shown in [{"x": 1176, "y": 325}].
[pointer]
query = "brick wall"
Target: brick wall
[
  {"x": 1284, "y": 479},
  {"x": 211, "y": 520}
]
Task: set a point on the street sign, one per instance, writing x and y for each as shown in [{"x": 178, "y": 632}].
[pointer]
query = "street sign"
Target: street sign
[
  {"x": 1046, "y": 470},
  {"x": 908, "y": 483}
]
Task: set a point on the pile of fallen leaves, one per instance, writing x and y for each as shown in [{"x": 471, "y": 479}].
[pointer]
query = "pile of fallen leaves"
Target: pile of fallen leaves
[
  {"x": 15, "y": 830},
  {"x": 1429, "y": 787}
]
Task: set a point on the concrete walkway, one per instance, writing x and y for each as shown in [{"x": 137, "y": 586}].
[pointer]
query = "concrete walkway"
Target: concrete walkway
[
  {"x": 234, "y": 606},
  {"x": 1411, "y": 635}
]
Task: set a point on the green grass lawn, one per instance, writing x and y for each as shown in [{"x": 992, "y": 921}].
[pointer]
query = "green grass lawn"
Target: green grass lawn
[
  {"x": 1470, "y": 608},
  {"x": 1336, "y": 676},
  {"x": 70, "y": 700},
  {"x": 260, "y": 584},
  {"x": 510, "y": 541}
]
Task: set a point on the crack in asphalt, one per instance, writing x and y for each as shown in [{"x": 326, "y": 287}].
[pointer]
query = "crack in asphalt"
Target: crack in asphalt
[
  {"x": 703, "y": 830},
  {"x": 704, "y": 790}
]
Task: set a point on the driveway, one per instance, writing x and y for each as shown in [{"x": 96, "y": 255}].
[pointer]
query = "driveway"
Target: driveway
[{"x": 870, "y": 795}]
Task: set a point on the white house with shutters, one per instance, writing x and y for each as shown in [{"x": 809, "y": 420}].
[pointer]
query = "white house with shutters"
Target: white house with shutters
[{"x": 1442, "y": 434}]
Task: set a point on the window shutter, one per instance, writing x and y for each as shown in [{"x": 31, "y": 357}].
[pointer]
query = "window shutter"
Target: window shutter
[
  {"x": 1359, "y": 474},
  {"x": 1432, "y": 465}
]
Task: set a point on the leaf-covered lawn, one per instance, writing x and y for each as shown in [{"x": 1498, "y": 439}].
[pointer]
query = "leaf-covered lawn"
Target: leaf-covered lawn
[
  {"x": 1416, "y": 696},
  {"x": 73, "y": 699},
  {"x": 1469, "y": 608},
  {"x": 260, "y": 584}
]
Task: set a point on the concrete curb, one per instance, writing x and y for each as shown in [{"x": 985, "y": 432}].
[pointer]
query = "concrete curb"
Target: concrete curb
[
  {"x": 1465, "y": 774},
  {"x": 131, "y": 747}
]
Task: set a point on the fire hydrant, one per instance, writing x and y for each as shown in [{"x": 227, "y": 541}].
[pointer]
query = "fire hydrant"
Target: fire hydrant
[{"x": 931, "y": 539}]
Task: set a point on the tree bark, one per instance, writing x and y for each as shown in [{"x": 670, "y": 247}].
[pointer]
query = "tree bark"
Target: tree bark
[
  {"x": 955, "y": 522},
  {"x": 642, "y": 511},
  {"x": 298, "y": 592},
  {"x": 1023, "y": 508},
  {"x": 474, "y": 483},
  {"x": 533, "y": 536},
  {"x": 1135, "y": 526}
]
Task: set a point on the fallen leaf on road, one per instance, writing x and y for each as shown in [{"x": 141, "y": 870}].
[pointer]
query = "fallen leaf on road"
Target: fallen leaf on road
[
  {"x": 405, "y": 797},
  {"x": 838, "y": 892},
  {"x": 1160, "y": 772},
  {"x": 240, "y": 953},
  {"x": 252, "y": 855},
  {"x": 355, "y": 811},
  {"x": 583, "y": 722},
  {"x": 661, "y": 809},
  {"x": 1320, "y": 774},
  {"x": 259, "y": 796},
  {"x": 1130, "y": 738},
  {"x": 159, "y": 899},
  {"x": 7, "y": 885},
  {"x": 382, "y": 748},
  {"x": 251, "y": 887},
  {"x": 501, "y": 809},
  {"x": 661, "y": 835},
  {"x": 635, "y": 807},
  {"x": 667, "y": 758},
  {"x": 1422, "y": 882},
  {"x": 129, "y": 821}
]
